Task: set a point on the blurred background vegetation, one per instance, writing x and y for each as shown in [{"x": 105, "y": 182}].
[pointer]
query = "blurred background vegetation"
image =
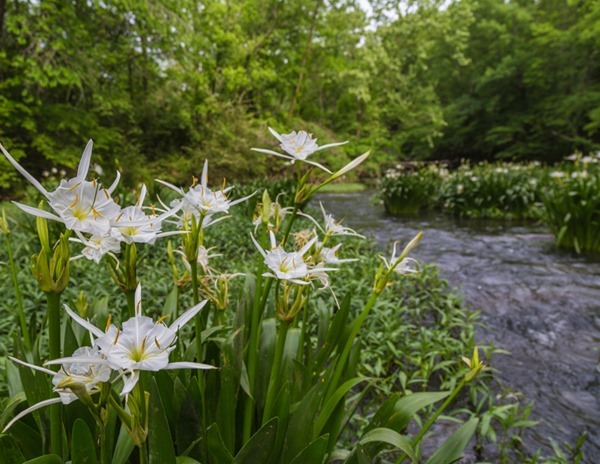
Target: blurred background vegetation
[{"x": 161, "y": 85}]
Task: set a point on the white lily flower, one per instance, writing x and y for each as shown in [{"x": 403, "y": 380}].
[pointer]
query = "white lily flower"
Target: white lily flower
[
  {"x": 298, "y": 146},
  {"x": 405, "y": 267},
  {"x": 329, "y": 255},
  {"x": 141, "y": 345},
  {"x": 98, "y": 246},
  {"x": 89, "y": 374},
  {"x": 134, "y": 225},
  {"x": 333, "y": 227},
  {"x": 202, "y": 201},
  {"x": 289, "y": 266},
  {"x": 405, "y": 262},
  {"x": 81, "y": 205}
]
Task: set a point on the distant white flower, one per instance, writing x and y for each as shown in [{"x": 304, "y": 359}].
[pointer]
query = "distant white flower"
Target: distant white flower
[
  {"x": 298, "y": 147},
  {"x": 285, "y": 265},
  {"x": 133, "y": 225},
  {"x": 333, "y": 227},
  {"x": 141, "y": 344},
  {"x": 202, "y": 201},
  {"x": 329, "y": 255},
  {"x": 98, "y": 246},
  {"x": 557, "y": 174},
  {"x": 407, "y": 266}
]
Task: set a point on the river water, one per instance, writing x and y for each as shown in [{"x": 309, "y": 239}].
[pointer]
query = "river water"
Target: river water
[{"x": 540, "y": 303}]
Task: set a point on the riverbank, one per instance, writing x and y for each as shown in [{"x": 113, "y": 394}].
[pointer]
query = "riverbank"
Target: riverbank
[{"x": 538, "y": 302}]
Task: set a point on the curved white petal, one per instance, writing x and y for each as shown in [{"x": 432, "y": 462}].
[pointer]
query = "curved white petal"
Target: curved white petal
[
  {"x": 204, "y": 176},
  {"x": 84, "y": 163},
  {"x": 113, "y": 186},
  {"x": 36, "y": 406},
  {"x": 189, "y": 365},
  {"x": 189, "y": 314},
  {"x": 38, "y": 212},
  {"x": 320, "y": 166},
  {"x": 82, "y": 322},
  {"x": 271, "y": 152},
  {"x": 329, "y": 145},
  {"x": 77, "y": 359},
  {"x": 23, "y": 172},
  {"x": 275, "y": 134},
  {"x": 33, "y": 366},
  {"x": 171, "y": 186},
  {"x": 138, "y": 300},
  {"x": 258, "y": 247}
]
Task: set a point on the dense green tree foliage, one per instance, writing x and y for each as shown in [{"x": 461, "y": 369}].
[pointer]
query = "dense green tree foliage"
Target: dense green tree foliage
[{"x": 161, "y": 85}]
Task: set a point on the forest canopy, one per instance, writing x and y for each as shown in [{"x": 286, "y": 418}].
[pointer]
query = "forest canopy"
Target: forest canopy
[{"x": 162, "y": 85}]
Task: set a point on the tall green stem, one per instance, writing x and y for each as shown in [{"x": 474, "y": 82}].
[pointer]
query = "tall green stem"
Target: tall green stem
[
  {"x": 54, "y": 347},
  {"x": 341, "y": 362},
  {"x": 276, "y": 370},
  {"x": 254, "y": 337},
  {"x": 105, "y": 451},
  {"x": 20, "y": 310},
  {"x": 434, "y": 417}
]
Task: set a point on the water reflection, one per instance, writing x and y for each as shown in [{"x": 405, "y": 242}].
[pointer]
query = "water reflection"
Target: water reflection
[{"x": 540, "y": 303}]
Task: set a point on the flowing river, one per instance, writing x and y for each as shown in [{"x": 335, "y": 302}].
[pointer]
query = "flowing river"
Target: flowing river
[{"x": 538, "y": 302}]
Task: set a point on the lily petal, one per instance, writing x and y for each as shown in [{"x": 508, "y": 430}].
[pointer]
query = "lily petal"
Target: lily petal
[
  {"x": 84, "y": 163},
  {"x": 85, "y": 324},
  {"x": 329, "y": 145},
  {"x": 189, "y": 365},
  {"x": 113, "y": 186},
  {"x": 23, "y": 172},
  {"x": 189, "y": 314},
  {"x": 38, "y": 212},
  {"x": 35, "y": 407},
  {"x": 33, "y": 366}
]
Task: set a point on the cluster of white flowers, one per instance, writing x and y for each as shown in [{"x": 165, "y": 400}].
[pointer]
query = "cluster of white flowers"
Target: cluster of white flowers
[
  {"x": 313, "y": 259},
  {"x": 141, "y": 344},
  {"x": 202, "y": 202},
  {"x": 88, "y": 209}
]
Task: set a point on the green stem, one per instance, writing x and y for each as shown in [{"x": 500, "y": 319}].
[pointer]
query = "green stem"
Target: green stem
[
  {"x": 21, "y": 312},
  {"x": 341, "y": 362},
  {"x": 143, "y": 454},
  {"x": 105, "y": 452},
  {"x": 290, "y": 223},
  {"x": 54, "y": 345},
  {"x": 275, "y": 371},
  {"x": 300, "y": 355},
  {"x": 433, "y": 418},
  {"x": 253, "y": 344}
]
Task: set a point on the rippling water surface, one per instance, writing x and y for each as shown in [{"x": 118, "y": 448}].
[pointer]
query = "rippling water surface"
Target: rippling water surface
[{"x": 540, "y": 303}]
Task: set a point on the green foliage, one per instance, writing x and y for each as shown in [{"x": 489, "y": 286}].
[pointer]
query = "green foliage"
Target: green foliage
[
  {"x": 161, "y": 87},
  {"x": 572, "y": 205}
]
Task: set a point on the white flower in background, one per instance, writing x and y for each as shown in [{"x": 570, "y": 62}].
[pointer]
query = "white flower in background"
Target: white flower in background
[
  {"x": 333, "y": 227},
  {"x": 298, "y": 147},
  {"x": 404, "y": 264},
  {"x": 79, "y": 204},
  {"x": 97, "y": 246},
  {"x": 204, "y": 256},
  {"x": 407, "y": 266},
  {"x": 329, "y": 255},
  {"x": 285, "y": 265},
  {"x": 202, "y": 201},
  {"x": 134, "y": 225},
  {"x": 580, "y": 175},
  {"x": 557, "y": 174},
  {"x": 588, "y": 159},
  {"x": 141, "y": 344},
  {"x": 572, "y": 157},
  {"x": 88, "y": 375}
]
